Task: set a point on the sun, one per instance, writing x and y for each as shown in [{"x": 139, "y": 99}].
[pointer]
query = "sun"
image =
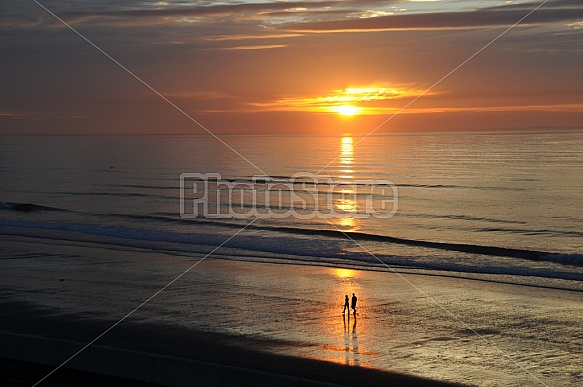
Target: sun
[{"x": 347, "y": 110}]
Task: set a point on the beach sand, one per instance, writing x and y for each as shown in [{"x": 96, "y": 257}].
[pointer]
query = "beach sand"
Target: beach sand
[{"x": 288, "y": 318}]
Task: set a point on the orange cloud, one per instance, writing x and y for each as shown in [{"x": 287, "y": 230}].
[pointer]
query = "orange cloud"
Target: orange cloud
[
  {"x": 219, "y": 38},
  {"x": 366, "y": 100},
  {"x": 257, "y": 47},
  {"x": 573, "y": 108}
]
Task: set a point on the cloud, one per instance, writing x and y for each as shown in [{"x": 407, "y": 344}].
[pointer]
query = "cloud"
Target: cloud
[
  {"x": 237, "y": 66},
  {"x": 500, "y": 16},
  {"x": 196, "y": 11},
  {"x": 370, "y": 13},
  {"x": 576, "y": 25},
  {"x": 271, "y": 13},
  {"x": 136, "y": 13},
  {"x": 369, "y": 100},
  {"x": 219, "y": 38},
  {"x": 35, "y": 115},
  {"x": 561, "y": 108},
  {"x": 14, "y": 115},
  {"x": 256, "y": 47}
]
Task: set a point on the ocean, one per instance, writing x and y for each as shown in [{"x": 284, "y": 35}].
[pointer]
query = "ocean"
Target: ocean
[{"x": 505, "y": 207}]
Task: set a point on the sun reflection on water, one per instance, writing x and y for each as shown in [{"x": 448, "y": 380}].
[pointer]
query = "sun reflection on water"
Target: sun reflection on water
[
  {"x": 348, "y": 222},
  {"x": 346, "y": 150},
  {"x": 346, "y": 203},
  {"x": 344, "y": 273}
]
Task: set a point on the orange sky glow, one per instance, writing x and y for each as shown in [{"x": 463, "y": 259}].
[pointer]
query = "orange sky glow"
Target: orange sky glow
[{"x": 297, "y": 67}]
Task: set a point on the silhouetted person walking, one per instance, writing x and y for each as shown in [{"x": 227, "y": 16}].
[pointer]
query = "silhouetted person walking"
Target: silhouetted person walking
[
  {"x": 346, "y": 305},
  {"x": 353, "y": 306}
]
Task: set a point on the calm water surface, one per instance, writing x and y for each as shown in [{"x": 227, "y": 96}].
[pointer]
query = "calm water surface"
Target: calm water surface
[{"x": 509, "y": 191}]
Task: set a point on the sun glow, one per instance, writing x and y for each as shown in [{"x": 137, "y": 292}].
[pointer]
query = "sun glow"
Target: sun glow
[
  {"x": 351, "y": 101},
  {"x": 344, "y": 273},
  {"x": 347, "y": 110}
]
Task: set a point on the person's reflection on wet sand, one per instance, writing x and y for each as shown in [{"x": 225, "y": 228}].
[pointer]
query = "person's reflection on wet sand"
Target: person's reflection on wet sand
[
  {"x": 355, "y": 353},
  {"x": 350, "y": 341}
]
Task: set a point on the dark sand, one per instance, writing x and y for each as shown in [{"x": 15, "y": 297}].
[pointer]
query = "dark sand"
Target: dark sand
[
  {"x": 15, "y": 373},
  {"x": 22, "y": 317}
]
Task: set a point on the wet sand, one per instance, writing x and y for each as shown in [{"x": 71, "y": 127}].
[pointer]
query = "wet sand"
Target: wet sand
[{"x": 288, "y": 318}]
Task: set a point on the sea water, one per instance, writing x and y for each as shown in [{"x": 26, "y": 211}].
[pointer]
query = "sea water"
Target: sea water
[{"x": 508, "y": 205}]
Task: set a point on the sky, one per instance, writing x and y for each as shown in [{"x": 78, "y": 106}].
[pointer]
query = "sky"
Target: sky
[{"x": 297, "y": 67}]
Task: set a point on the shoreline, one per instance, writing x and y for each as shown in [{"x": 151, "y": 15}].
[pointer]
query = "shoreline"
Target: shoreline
[
  {"x": 80, "y": 239},
  {"x": 250, "y": 310},
  {"x": 403, "y": 270}
]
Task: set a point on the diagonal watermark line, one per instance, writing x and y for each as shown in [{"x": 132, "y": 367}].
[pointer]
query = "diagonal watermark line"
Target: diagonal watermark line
[
  {"x": 442, "y": 79},
  {"x": 143, "y": 303},
  {"x": 148, "y": 86},
  {"x": 434, "y": 301}
]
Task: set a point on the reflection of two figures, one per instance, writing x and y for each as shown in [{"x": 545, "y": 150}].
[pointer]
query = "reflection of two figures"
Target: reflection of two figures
[{"x": 350, "y": 337}]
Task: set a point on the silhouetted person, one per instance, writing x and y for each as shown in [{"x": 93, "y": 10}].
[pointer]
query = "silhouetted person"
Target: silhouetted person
[
  {"x": 346, "y": 305},
  {"x": 353, "y": 306}
]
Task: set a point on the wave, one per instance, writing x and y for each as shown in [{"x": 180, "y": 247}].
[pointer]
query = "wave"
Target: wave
[
  {"x": 26, "y": 207},
  {"x": 526, "y": 231},
  {"x": 323, "y": 180},
  {"x": 144, "y": 186},
  {"x": 114, "y": 194},
  {"x": 534, "y": 255},
  {"x": 328, "y": 251},
  {"x": 466, "y": 248},
  {"x": 466, "y": 217},
  {"x": 570, "y": 259},
  {"x": 204, "y": 238},
  {"x": 336, "y": 181},
  {"x": 278, "y": 245}
]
